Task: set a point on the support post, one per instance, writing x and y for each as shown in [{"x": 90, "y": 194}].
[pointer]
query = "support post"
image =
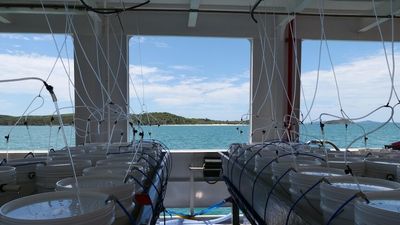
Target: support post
[
  {"x": 101, "y": 82},
  {"x": 235, "y": 213}
]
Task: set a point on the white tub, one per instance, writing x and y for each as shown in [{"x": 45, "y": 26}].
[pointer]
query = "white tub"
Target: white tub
[{"x": 58, "y": 208}]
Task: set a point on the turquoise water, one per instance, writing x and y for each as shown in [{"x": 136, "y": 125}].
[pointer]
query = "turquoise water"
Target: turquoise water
[
  {"x": 342, "y": 137},
  {"x": 175, "y": 137},
  {"x": 202, "y": 137}
]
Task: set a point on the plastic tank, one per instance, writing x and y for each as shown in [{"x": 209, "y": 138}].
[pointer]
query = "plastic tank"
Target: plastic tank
[
  {"x": 59, "y": 208},
  {"x": 343, "y": 188}
]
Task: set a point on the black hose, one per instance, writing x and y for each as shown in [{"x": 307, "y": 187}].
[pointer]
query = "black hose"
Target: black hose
[
  {"x": 112, "y": 10},
  {"x": 253, "y": 9}
]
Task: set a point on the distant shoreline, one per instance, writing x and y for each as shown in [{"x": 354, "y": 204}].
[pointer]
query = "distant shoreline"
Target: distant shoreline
[
  {"x": 146, "y": 119},
  {"x": 209, "y": 124},
  {"x": 163, "y": 125}
]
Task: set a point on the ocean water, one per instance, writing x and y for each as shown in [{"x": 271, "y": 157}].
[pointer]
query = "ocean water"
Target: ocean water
[
  {"x": 175, "y": 137},
  {"x": 203, "y": 136},
  {"x": 342, "y": 136}
]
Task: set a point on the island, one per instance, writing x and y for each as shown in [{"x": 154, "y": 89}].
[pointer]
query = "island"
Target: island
[{"x": 152, "y": 118}]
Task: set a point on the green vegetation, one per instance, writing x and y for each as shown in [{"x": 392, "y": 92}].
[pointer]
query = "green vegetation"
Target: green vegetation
[
  {"x": 34, "y": 120},
  {"x": 154, "y": 118},
  {"x": 168, "y": 118}
]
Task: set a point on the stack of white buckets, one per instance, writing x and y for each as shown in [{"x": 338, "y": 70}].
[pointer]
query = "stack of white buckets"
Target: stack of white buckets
[
  {"x": 8, "y": 180},
  {"x": 66, "y": 206},
  {"x": 322, "y": 202}
]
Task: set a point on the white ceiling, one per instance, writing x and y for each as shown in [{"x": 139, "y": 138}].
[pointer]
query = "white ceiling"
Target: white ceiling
[{"x": 336, "y": 7}]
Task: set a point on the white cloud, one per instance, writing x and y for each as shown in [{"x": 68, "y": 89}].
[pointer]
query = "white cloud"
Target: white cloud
[
  {"x": 364, "y": 85},
  {"x": 137, "y": 39},
  {"x": 46, "y": 37},
  {"x": 14, "y": 36},
  {"x": 184, "y": 67},
  {"x": 161, "y": 44},
  {"x": 194, "y": 96},
  {"x": 19, "y": 66},
  {"x": 142, "y": 70}
]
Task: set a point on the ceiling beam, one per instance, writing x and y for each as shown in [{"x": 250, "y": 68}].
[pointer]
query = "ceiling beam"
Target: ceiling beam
[
  {"x": 193, "y": 14},
  {"x": 379, "y": 21},
  {"x": 373, "y": 24},
  {"x": 38, "y": 10},
  {"x": 296, "y": 8},
  {"x": 300, "y": 6},
  {"x": 286, "y": 20},
  {"x": 4, "y": 20}
]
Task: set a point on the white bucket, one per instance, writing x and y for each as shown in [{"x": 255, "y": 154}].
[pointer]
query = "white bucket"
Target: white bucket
[
  {"x": 398, "y": 174},
  {"x": 105, "y": 184},
  {"x": 26, "y": 173},
  {"x": 124, "y": 163},
  {"x": 93, "y": 157},
  {"x": 341, "y": 189},
  {"x": 383, "y": 209},
  {"x": 278, "y": 169},
  {"x": 122, "y": 156},
  {"x": 48, "y": 175},
  {"x": 8, "y": 175},
  {"x": 382, "y": 168},
  {"x": 358, "y": 167},
  {"x": 61, "y": 153},
  {"x": 116, "y": 171},
  {"x": 58, "y": 208},
  {"x": 300, "y": 181},
  {"x": 266, "y": 173},
  {"x": 265, "y": 155}
]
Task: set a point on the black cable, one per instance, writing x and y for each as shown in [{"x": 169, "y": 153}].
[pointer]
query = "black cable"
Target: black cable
[
  {"x": 259, "y": 173},
  {"x": 29, "y": 154},
  {"x": 113, "y": 198},
  {"x": 301, "y": 197},
  {"x": 240, "y": 155},
  {"x": 165, "y": 220},
  {"x": 256, "y": 178},
  {"x": 244, "y": 166},
  {"x": 147, "y": 177},
  {"x": 112, "y": 10},
  {"x": 153, "y": 167},
  {"x": 339, "y": 210},
  {"x": 272, "y": 189},
  {"x": 120, "y": 23},
  {"x": 253, "y": 9},
  {"x": 230, "y": 156},
  {"x": 141, "y": 185}
]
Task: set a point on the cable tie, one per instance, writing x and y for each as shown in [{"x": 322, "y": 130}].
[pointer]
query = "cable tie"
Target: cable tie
[
  {"x": 3, "y": 161},
  {"x": 363, "y": 196},
  {"x": 348, "y": 170},
  {"x": 7, "y": 137}
]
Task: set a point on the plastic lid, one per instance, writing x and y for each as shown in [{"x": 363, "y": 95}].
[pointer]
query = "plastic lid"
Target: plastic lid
[
  {"x": 54, "y": 205},
  {"x": 364, "y": 187},
  {"x": 390, "y": 205},
  {"x": 322, "y": 174},
  {"x": 96, "y": 182}
]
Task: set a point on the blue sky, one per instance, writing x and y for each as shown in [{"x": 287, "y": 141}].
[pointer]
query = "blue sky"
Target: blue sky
[
  {"x": 362, "y": 76},
  {"x": 192, "y": 77},
  {"x": 23, "y": 55},
  {"x": 200, "y": 77}
]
